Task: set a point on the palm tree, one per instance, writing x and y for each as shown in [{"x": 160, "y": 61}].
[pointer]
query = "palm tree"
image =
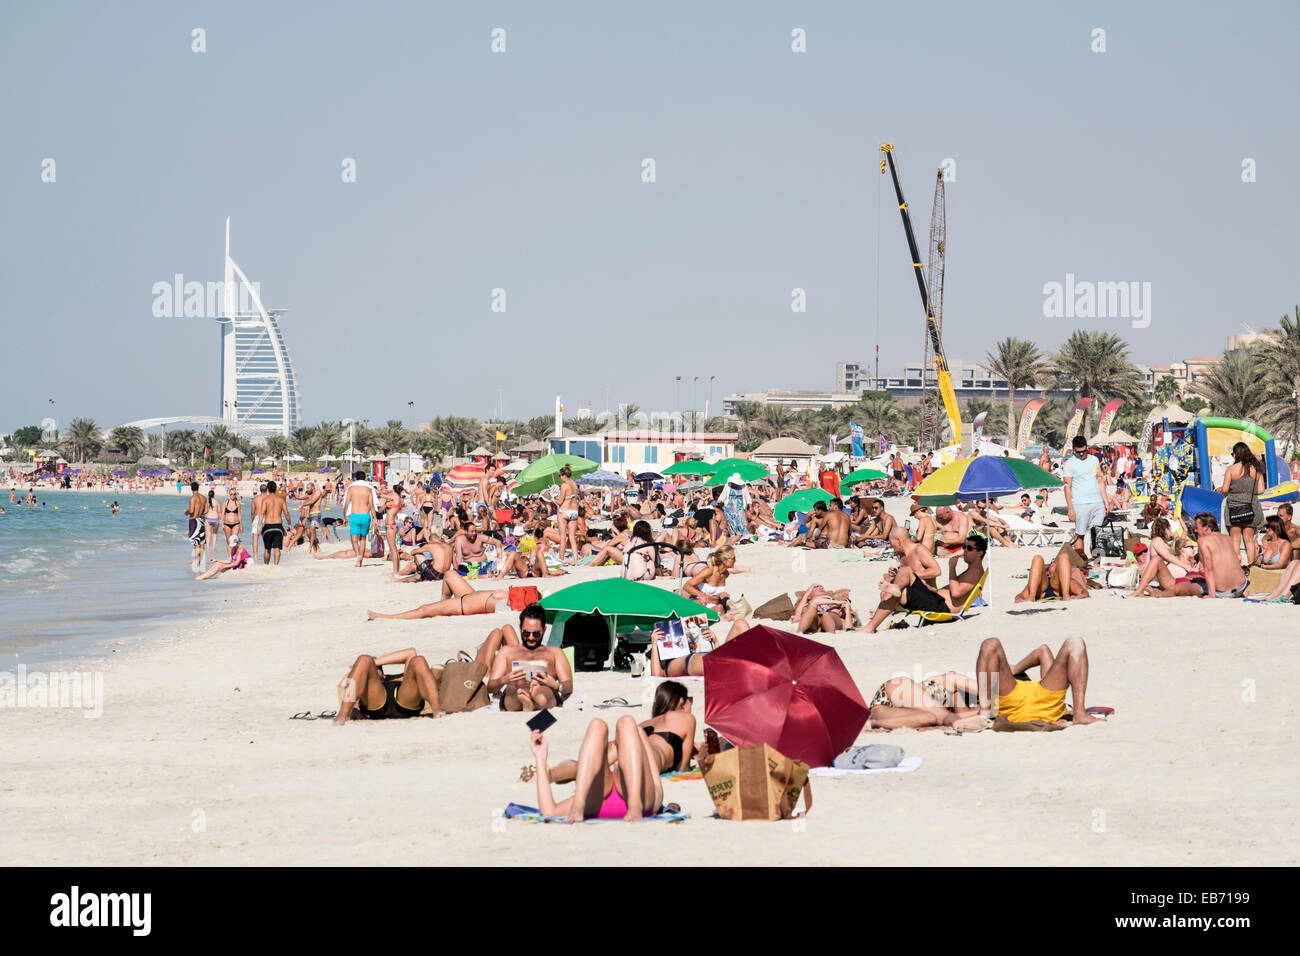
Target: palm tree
[
  {"x": 393, "y": 437},
  {"x": 83, "y": 438},
  {"x": 277, "y": 446},
  {"x": 880, "y": 414},
  {"x": 1280, "y": 356},
  {"x": 1096, "y": 365},
  {"x": 129, "y": 440},
  {"x": 1232, "y": 386},
  {"x": 182, "y": 444},
  {"x": 543, "y": 426},
  {"x": 1022, "y": 364},
  {"x": 1166, "y": 390}
]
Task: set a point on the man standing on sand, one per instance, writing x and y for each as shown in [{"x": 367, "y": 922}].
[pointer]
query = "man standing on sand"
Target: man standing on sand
[
  {"x": 359, "y": 505},
  {"x": 274, "y": 512},
  {"x": 197, "y": 512},
  {"x": 1084, "y": 496},
  {"x": 1220, "y": 558}
]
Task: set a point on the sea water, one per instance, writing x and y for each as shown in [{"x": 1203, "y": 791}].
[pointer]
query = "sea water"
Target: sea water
[{"x": 73, "y": 575}]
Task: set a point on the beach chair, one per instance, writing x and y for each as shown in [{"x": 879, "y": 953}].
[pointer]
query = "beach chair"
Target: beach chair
[
  {"x": 943, "y": 617},
  {"x": 1025, "y": 532}
]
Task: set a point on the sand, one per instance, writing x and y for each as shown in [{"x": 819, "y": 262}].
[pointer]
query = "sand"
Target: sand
[{"x": 195, "y": 759}]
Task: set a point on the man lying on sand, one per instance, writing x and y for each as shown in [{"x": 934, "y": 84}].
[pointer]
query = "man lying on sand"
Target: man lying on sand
[
  {"x": 958, "y": 701},
  {"x": 465, "y": 602},
  {"x": 377, "y": 697},
  {"x": 514, "y": 662},
  {"x": 1019, "y": 700}
]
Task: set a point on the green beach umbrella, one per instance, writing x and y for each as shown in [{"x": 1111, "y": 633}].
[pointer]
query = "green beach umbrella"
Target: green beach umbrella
[
  {"x": 748, "y": 471},
  {"x": 799, "y": 501},
  {"x": 545, "y": 472},
  {"x": 628, "y": 602},
  {"x": 861, "y": 475},
  {"x": 688, "y": 467}
]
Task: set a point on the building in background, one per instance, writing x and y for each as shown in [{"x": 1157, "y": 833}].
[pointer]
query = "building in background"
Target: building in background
[{"x": 259, "y": 388}]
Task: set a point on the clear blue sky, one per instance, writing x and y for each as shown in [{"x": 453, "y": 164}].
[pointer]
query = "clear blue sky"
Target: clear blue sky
[{"x": 522, "y": 171}]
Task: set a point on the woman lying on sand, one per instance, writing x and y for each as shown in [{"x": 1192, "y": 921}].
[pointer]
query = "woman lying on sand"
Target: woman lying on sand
[
  {"x": 630, "y": 789},
  {"x": 951, "y": 700},
  {"x": 465, "y": 601},
  {"x": 818, "y": 610}
]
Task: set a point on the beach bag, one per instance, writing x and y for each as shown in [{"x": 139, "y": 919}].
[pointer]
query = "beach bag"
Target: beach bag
[
  {"x": 522, "y": 595},
  {"x": 757, "y": 783},
  {"x": 1108, "y": 541},
  {"x": 460, "y": 685},
  {"x": 1126, "y": 577},
  {"x": 1240, "y": 515},
  {"x": 740, "y": 607},
  {"x": 780, "y": 608}
]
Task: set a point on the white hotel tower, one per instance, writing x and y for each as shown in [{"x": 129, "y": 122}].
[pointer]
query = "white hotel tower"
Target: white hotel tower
[{"x": 259, "y": 389}]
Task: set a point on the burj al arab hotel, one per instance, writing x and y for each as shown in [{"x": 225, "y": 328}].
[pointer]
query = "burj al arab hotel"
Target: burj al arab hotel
[{"x": 259, "y": 388}]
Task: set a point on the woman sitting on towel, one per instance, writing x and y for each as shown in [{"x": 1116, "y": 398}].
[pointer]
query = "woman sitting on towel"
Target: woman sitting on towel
[
  {"x": 629, "y": 789},
  {"x": 670, "y": 731}
]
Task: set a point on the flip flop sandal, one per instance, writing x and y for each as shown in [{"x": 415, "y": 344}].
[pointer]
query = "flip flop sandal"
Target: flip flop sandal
[
  {"x": 308, "y": 715},
  {"x": 614, "y": 702}
]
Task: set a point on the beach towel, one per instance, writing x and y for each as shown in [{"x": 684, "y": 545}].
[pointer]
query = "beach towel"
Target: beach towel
[
  {"x": 1003, "y": 725},
  {"x": 907, "y": 765},
  {"x": 849, "y": 557},
  {"x": 523, "y": 814},
  {"x": 695, "y": 773}
]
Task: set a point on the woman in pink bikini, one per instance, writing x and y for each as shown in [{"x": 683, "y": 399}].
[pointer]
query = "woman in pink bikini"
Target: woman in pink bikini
[{"x": 630, "y": 790}]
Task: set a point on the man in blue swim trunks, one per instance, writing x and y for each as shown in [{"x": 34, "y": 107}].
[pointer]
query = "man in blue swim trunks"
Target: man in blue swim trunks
[{"x": 360, "y": 504}]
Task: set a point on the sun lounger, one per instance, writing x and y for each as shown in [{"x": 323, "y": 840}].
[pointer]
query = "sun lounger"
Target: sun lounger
[{"x": 1036, "y": 535}]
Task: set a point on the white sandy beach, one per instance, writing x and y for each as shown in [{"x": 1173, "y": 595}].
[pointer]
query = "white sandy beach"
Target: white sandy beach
[{"x": 195, "y": 759}]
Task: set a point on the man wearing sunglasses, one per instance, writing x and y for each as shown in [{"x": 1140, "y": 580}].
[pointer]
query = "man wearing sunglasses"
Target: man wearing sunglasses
[
  {"x": 1084, "y": 497},
  {"x": 527, "y": 674}
]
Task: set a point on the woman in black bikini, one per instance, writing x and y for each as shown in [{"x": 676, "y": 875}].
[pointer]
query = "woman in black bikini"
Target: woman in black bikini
[
  {"x": 670, "y": 731},
  {"x": 232, "y": 521}
]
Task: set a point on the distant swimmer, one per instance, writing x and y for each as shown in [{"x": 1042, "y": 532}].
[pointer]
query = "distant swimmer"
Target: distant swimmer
[{"x": 115, "y": 507}]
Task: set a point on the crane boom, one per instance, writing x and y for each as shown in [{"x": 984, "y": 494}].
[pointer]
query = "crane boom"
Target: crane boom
[{"x": 932, "y": 326}]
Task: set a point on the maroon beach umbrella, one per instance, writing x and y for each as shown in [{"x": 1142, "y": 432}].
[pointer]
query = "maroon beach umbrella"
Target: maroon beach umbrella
[{"x": 772, "y": 687}]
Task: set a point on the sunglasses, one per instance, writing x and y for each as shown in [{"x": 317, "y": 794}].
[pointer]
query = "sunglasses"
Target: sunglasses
[
  {"x": 969, "y": 547},
  {"x": 532, "y": 633}
]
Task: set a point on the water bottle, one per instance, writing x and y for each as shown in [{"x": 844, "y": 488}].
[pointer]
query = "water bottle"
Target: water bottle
[{"x": 636, "y": 665}]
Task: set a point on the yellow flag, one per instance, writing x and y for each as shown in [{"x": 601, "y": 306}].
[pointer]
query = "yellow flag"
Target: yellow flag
[{"x": 501, "y": 436}]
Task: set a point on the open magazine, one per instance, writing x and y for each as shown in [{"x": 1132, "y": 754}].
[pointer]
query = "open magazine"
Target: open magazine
[{"x": 683, "y": 636}]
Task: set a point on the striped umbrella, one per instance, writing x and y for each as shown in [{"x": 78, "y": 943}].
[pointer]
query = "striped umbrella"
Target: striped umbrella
[
  {"x": 464, "y": 477},
  {"x": 982, "y": 478}
]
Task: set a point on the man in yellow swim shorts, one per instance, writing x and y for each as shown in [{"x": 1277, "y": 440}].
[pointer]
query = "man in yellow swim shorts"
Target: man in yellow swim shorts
[{"x": 1020, "y": 701}]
